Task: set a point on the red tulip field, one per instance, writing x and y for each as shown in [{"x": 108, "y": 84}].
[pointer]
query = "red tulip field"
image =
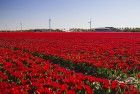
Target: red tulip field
[{"x": 69, "y": 63}]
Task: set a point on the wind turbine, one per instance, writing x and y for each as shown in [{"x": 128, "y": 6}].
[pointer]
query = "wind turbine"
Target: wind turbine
[
  {"x": 50, "y": 24},
  {"x": 90, "y": 24},
  {"x": 21, "y": 26}
]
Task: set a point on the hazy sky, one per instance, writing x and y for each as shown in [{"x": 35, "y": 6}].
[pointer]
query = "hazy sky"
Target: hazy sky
[{"x": 69, "y": 13}]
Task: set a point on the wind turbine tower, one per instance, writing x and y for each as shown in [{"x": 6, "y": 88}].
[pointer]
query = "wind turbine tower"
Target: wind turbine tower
[
  {"x": 90, "y": 24},
  {"x": 50, "y": 24},
  {"x": 21, "y": 26}
]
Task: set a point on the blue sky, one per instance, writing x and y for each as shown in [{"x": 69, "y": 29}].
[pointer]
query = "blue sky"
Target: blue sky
[{"x": 69, "y": 13}]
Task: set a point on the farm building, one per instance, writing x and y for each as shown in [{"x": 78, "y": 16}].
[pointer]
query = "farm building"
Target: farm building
[{"x": 106, "y": 29}]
